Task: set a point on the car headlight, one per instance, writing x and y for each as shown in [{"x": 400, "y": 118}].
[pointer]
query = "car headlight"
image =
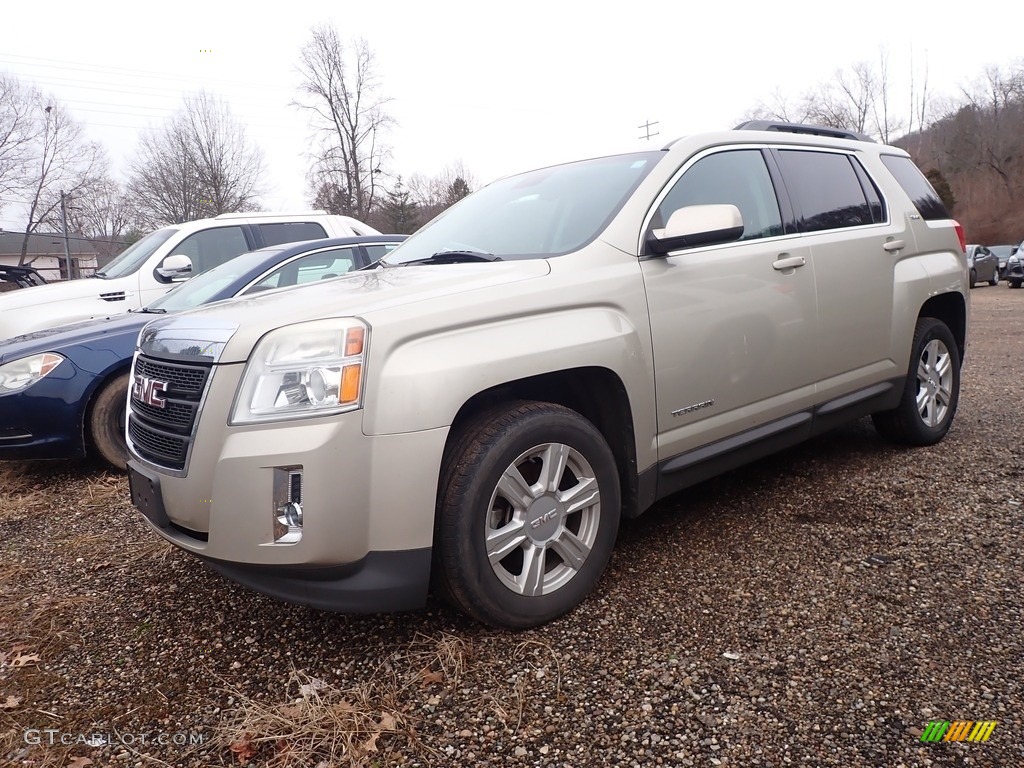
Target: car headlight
[
  {"x": 1013, "y": 260},
  {"x": 26, "y": 371},
  {"x": 308, "y": 369}
]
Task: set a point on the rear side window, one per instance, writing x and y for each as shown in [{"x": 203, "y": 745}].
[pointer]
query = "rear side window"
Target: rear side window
[
  {"x": 827, "y": 191},
  {"x": 916, "y": 185},
  {"x": 291, "y": 232}
]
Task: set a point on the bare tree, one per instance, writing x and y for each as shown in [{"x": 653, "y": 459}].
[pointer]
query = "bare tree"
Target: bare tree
[
  {"x": 106, "y": 216},
  {"x": 200, "y": 164},
  {"x": 855, "y": 99},
  {"x": 63, "y": 161},
  {"x": 17, "y": 133},
  {"x": 340, "y": 90},
  {"x": 434, "y": 194}
]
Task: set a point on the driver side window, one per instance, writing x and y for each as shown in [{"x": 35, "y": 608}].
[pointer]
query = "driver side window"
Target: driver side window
[
  {"x": 738, "y": 177},
  {"x": 212, "y": 247}
]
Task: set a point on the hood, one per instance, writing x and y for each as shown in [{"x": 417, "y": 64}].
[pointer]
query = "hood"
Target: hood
[
  {"x": 104, "y": 329},
  {"x": 51, "y": 292},
  {"x": 357, "y": 294}
]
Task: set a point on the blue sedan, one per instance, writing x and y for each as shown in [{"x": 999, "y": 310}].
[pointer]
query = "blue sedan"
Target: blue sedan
[{"x": 63, "y": 390}]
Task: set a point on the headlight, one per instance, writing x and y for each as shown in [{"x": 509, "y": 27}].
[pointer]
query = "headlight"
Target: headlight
[
  {"x": 309, "y": 369},
  {"x": 1013, "y": 260},
  {"x": 19, "y": 374}
]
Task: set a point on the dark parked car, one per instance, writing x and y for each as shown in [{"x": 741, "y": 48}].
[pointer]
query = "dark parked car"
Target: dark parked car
[
  {"x": 63, "y": 391},
  {"x": 983, "y": 264},
  {"x": 1015, "y": 268},
  {"x": 19, "y": 277},
  {"x": 1003, "y": 253}
]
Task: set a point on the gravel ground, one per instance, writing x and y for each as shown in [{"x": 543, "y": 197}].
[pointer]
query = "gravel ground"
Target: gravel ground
[{"x": 817, "y": 608}]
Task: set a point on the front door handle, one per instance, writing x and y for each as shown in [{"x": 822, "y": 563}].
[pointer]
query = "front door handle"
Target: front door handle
[
  {"x": 790, "y": 262},
  {"x": 894, "y": 245}
]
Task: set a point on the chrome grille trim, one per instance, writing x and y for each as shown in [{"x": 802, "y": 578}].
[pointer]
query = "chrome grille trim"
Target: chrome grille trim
[{"x": 163, "y": 437}]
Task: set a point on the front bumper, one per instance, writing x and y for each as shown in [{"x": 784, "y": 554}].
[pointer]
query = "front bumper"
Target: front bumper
[
  {"x": 44, "y": 421},
  {"x": 368, "y": 506}
]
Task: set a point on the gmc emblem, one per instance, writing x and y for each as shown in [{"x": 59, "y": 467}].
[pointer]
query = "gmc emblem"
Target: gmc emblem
[{"x": 148, "y": 391}]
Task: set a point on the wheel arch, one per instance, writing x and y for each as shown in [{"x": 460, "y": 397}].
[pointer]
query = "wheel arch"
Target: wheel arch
[
  {"x": 596, "y": 393},
  {"x": 98, "y": 385},
  {"x": 951, "y": 309}
]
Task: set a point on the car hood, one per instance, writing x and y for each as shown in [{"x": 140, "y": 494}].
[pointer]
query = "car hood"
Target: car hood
[
  {"x": 104, "y": 329},
  {"x": 237, "y": 324},
  {"x": 52, "y": 292}
]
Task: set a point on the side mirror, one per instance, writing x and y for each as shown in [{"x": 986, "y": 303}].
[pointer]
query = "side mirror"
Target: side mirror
[
  {"x": 175, "y": 268},
  {"x": 697, "y": 225}
]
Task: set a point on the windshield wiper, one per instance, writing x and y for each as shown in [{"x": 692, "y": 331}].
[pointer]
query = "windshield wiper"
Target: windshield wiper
[
  {"x": 100, "y": 275},
  {"x": 151, "y": 310},
  {"x": 453, "y": 257}
]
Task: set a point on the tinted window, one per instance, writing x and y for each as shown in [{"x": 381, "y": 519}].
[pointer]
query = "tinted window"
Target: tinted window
[
  {"x": 321, "y": 265},
  {"x": 917, "y": 187},
  {"x": 739, "y": 177},
  {"x": 212, "y": 247},
  {"x": 379, "y": 250},
  {"x": 825, "y": 190},
  {"x": 291, "y": 232}
]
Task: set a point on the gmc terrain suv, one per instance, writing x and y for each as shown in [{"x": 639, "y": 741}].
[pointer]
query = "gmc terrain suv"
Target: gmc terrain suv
[{"x": 558, "y": 351}]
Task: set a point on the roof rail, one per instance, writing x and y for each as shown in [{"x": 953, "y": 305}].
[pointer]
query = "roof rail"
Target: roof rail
[
  {"x": 257, "y": 214},
  {"x": 806, "y": 128}
]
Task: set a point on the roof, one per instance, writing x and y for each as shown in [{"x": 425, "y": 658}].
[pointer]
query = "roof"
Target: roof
[{"x": 44, "y": 244}]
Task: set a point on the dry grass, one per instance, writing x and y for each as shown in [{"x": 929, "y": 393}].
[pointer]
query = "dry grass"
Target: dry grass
[{"x": 319, "y": 724}]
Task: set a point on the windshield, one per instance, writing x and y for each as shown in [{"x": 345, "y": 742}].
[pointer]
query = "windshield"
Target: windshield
[
  {"x": 132, "y": 257},
  {"x": 534, "y": 215},
  {"x": 203, "y": 288}
]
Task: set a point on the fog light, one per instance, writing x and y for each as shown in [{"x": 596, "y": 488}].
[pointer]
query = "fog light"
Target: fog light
[{"x": 287, "y": 505}]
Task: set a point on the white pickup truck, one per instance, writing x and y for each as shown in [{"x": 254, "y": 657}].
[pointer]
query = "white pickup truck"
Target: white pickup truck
[{"x": 157, "y": 262}]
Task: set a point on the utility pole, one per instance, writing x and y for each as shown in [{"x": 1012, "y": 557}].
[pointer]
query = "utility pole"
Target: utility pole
[
  {"x": 64, "y": 223},
  {"x": 647, "y": 129}
]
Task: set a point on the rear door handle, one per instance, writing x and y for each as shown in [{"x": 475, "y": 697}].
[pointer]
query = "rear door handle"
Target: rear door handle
[
  {"x": 790, "y": 262},
  {"x": 894, "y": 245}
]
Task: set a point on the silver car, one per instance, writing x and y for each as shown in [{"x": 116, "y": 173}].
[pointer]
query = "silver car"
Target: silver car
[{"x": 983, "y": 265}]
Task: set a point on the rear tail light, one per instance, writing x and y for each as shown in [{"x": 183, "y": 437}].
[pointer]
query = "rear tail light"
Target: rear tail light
[{"x": 960, "y": 236}]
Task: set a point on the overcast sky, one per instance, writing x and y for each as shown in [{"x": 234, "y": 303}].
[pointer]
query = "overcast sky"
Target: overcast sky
[{"x": 498, "y": 87}]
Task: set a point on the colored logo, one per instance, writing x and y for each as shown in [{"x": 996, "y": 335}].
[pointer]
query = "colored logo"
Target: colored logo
[{"x": 958, "y": 730}]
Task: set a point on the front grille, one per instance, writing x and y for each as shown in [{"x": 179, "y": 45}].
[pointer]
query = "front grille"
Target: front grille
[
  {"x": 162, "y": 435},
  {"x": 187, "y": 379}
]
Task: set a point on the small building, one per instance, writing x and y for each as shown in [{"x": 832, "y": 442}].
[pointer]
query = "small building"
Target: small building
[{"x": 46, "y": 254}]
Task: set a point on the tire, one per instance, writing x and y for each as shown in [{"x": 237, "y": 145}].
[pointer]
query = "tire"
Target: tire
[
  {"x": 1013, "y": 283},
  {"x": 546, "y": 553},
  {"x": 973, "y": 279},
  {"x": 106, "y": 422},
  {"x": 931, "y": 392},
  {"x": 995, "y": 277}
]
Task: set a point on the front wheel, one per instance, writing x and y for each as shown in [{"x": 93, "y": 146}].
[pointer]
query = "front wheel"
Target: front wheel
[
  {"x": 1013, "y": 283},
  {"x": 106, "y": 422},
  {"x": 995, "y": 278},
  {"x": 973, "y": 278},
  {"x": 528, "y": 512},
  {"x": 931, "y": 392}
]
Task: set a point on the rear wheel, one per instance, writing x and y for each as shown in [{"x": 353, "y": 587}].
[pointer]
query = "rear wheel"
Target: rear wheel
[
  {"x": 528, "y": 512},
  {"x": 106, "y": 422},
  {"x": 931, "y": 392}
]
